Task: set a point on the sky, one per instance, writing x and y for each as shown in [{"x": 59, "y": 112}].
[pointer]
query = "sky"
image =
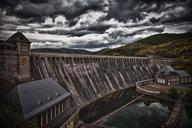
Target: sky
[{"x": 92, "y": 24}]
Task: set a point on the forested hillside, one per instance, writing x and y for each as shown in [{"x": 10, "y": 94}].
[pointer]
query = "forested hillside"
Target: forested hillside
[{"x": 165, "y": 45}]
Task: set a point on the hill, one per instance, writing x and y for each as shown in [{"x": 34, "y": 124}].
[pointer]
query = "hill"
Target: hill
[
  {"x": 165, "y": 45},
  {"x": 62, "y": 50}
]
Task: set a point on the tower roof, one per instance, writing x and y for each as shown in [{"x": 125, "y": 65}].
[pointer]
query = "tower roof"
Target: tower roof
[
  {"x": 167, "y": 70},
  {"x": 18, "y": 37},
  {"x": 34, "y": 97}
]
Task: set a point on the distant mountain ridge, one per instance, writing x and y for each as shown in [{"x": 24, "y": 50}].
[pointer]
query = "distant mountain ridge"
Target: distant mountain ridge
[
  {"x": 166, "y": 45},
  {"x": 62, "y": 50}
]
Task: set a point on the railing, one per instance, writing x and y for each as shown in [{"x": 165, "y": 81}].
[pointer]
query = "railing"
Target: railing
[
  {"x": 144, "y": 82},
  {"x": 148, "y": 92},
  {"x": 144, "y": 91},
  {"x": 40, "y": 54},
  {"x": 71, "y": 119}
]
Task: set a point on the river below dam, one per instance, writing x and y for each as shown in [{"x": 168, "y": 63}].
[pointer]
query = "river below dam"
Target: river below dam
[{"x": 141, "y": 116}]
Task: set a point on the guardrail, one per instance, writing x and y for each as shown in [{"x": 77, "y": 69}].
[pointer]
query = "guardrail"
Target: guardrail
[
  {"x": 144, "y": 91},
  {"x": 144, "y": 82}
]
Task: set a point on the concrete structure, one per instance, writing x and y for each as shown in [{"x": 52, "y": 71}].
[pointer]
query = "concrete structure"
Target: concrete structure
[
  {"x": 46, "y": 102},
  {"x": 156, "y": 60},
  {"x": 14, "y": 60},
  {"x": 89, "y": 77},
  {"x": 145, "y": 91},
  {"x": 169, "y": 76}
]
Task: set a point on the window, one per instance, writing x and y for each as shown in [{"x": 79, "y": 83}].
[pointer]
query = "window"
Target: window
[
  {"x": 24, "y": 49},
  {"x": 53, "y": 112},
  {"x": 63, "y": 104},
  {"x": 49, "y": 115},
  {"x": 61, "y": 107},
  {"x": 57, "y": 109},
  {"x": 24, "y": 62},
  {"x": 44, "y": 118}
]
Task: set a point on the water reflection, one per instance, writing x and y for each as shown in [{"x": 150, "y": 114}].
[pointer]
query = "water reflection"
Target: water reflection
[
  {"x": 142, "y": 116},
  {"x": 185, "y": 121},
  {"x": 138, "y": 116}
]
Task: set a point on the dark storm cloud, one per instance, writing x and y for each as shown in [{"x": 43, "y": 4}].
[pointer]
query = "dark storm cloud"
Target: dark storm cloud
[
  {"x": 121, "y": 10},
  {"x": 65, "y": 32},
  {"x": 97, "y": 28},
  {"x": 97, "y": 44},
  {"x": 92, "y": 44},
  {"x": 39, "y": 1},
  {"x": 41, "y": 8},
  {"x": 93, "y": 23},
  {"x": 124, "y": 10},
  {"x": 121, "y": 34},
  {"x": 91, "y": 29}
]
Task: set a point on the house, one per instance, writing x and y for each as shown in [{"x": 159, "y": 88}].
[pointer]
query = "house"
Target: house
[
  {"x": 167, "y": 75},
  {"x": 46, "y": 102}
]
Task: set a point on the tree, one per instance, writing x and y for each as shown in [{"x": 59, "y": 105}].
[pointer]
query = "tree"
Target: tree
[
  {"x": 189, "y": 96},
  {"x": 9, "y": 118},
  {"x": 173, "y": 93}
]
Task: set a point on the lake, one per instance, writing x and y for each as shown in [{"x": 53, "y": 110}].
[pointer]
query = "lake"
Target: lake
[{"x": 141, "y": 116}]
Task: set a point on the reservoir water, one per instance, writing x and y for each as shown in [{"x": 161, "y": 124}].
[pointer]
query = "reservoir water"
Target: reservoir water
[{"x": 141, "y": 116}]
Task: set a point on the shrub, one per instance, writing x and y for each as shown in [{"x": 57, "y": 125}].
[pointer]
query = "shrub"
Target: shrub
[{"x": 173, "y": 93}]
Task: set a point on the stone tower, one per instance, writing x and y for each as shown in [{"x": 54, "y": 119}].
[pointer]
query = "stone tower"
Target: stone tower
[{"x": 14, "y": 60}]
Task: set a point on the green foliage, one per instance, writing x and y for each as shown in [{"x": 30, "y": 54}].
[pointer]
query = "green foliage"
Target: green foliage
[
  {"x": 29, "y": 124},
  {"x": 189, "y": 96},
  {"x": 11, "y": 119},
  {"x": 165, "y": 45},
  {"x": 8, "y": 118},
  {"x": 173, "y": 93}
]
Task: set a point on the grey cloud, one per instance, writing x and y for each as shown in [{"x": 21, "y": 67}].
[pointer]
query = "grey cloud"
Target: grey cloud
[
  {"x": 41, "y": 8},
  {"x": 124, "y": 17},
  {"x": 121, "y": 10},
  {"x": 97, "y": 44},
  {"x": 121, "y": 34},
  {"x": 39, "y": 1},
  {"x": 91, "y": 29},
  {"x": 124, "y": 10},
  {"x": 97, "y": 28}
]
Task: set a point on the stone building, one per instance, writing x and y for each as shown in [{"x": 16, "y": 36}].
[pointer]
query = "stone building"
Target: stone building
[
  {"x": 46, "y": 102},
  {"x": 14, "y": 61},
  {"x": 169, "y": 76}
]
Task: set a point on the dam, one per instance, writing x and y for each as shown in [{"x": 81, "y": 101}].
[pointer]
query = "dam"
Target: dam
[
  {"x": 90, "y": 77},
  {"x": 90, "y": 81}
]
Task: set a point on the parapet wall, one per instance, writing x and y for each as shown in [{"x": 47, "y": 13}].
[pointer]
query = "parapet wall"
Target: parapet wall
[{"x": 89, "y": 77}]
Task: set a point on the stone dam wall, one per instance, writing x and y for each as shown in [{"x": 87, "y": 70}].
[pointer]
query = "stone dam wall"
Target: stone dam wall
[{"x": 90, "y": 77}]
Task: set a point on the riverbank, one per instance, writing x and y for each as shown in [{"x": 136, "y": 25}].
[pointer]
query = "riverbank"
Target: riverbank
[{"x": 168, "y": 93}]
